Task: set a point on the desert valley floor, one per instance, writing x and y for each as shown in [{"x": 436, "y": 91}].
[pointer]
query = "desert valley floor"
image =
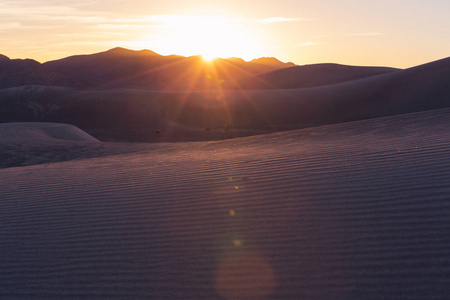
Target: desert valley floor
[{"x": 357, "y": 210}]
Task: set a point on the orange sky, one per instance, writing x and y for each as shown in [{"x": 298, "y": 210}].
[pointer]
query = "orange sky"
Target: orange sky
[{"x": 356, "y": 32}]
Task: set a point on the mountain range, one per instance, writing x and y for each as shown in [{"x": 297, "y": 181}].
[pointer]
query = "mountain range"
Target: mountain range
[
  {"x": 145, "y": 69},
  {"x": 123, "y": 68},
  {"x": 340, "y": 94}
]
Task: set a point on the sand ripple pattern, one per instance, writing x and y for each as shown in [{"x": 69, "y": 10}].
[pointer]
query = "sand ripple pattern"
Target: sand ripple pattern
[{"x": 351, "y": 211}]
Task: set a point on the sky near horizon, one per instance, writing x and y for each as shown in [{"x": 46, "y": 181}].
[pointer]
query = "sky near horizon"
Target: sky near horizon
[{"x": 394, "y": 33}]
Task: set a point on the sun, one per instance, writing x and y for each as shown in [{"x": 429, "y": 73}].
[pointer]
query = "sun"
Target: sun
[
  {"x": 210, "y": 36},
  {"x": 209, "y": 57}
]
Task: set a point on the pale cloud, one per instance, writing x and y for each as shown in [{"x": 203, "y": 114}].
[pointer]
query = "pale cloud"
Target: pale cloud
[
  {"x": 364, "y": 34},
  {"x": 19, "y": 9},
  {"x": 121, "y": 26},
  {"x": 80, "y": 43},
  {"x": 307, "y": 44},
  {"x": 88, "y": 35},
  {"x": 17, "y": 25},
  {"x": 73, "y": 18},
  {"x": 27, "y": 11},
  {"x": 9, "y": 25},
  {"x": 169, "y": 20},
  {"x": 63, "y": 13},
  {"x": 280, "y": 19},
  {"x": 164, "y": 18},
  {"x": 54, "y": 16}
]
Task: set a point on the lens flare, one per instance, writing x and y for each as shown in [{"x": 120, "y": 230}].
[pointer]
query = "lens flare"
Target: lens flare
[{"x": 245, "y": 275}]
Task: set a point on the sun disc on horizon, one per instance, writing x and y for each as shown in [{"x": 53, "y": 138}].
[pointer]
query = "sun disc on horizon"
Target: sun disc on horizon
[
  {"x": 208, "y": 57},
  {"x": 209, "y": 36}
]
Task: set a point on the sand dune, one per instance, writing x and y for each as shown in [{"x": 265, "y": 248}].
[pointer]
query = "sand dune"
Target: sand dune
[
  {"x": 349, "y": 211},
  {"x": 39, "y": 133},
  {"x": 420, "y": 88},
  {"x": 309, "y": 76},
  {"x": 32, "y": 143}
]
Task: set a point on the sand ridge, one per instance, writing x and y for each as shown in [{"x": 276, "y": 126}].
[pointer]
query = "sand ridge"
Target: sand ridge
[
  {"x": 30, "y": 143},
  {"x": 42, "y": 133}
]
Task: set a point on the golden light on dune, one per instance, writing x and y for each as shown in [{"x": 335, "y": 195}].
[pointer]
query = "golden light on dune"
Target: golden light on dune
[{"x": 210, "y": 36}]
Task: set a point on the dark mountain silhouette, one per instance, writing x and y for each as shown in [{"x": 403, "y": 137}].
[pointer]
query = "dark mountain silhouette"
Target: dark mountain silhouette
[
  {"x": 415, "y": 89},
  {"x": 145, "y": 69},
  {"x": 270, "y": 61},
  {"x": 310, "y": 76},
  {"x": 17, "y": 72},
  {"x": 117, "y": 67},
  {"x": 123, "y": 68}
]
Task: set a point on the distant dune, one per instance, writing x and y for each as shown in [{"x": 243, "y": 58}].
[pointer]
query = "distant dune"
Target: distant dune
[
  {"x": 31, "y": 143},
  {"x": 39, "y": 133},
  {"x": 309, "y": 76},
  {"x": 403, "y": 91}
]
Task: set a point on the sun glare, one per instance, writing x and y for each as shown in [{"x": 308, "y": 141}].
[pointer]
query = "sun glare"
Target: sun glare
[
  {"x": 207, "y": 35},
  {"x": 208, "y": 57}
]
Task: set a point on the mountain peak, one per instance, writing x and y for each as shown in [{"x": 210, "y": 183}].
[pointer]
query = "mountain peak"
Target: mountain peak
[
  {"x": 4, "y": 58},
  {"x": 235, "y": 59},
  {"x": 124, "y": 68},
  {"x": 271, "y": 61},
  {"x": 120, "y": 50},
  {"x": 124, "y": 51}
]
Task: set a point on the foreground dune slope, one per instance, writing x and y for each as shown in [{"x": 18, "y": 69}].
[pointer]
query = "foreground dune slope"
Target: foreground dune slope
[
  {"x": 32, "y": 143},
  {"x": 349, "y": 211}
]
